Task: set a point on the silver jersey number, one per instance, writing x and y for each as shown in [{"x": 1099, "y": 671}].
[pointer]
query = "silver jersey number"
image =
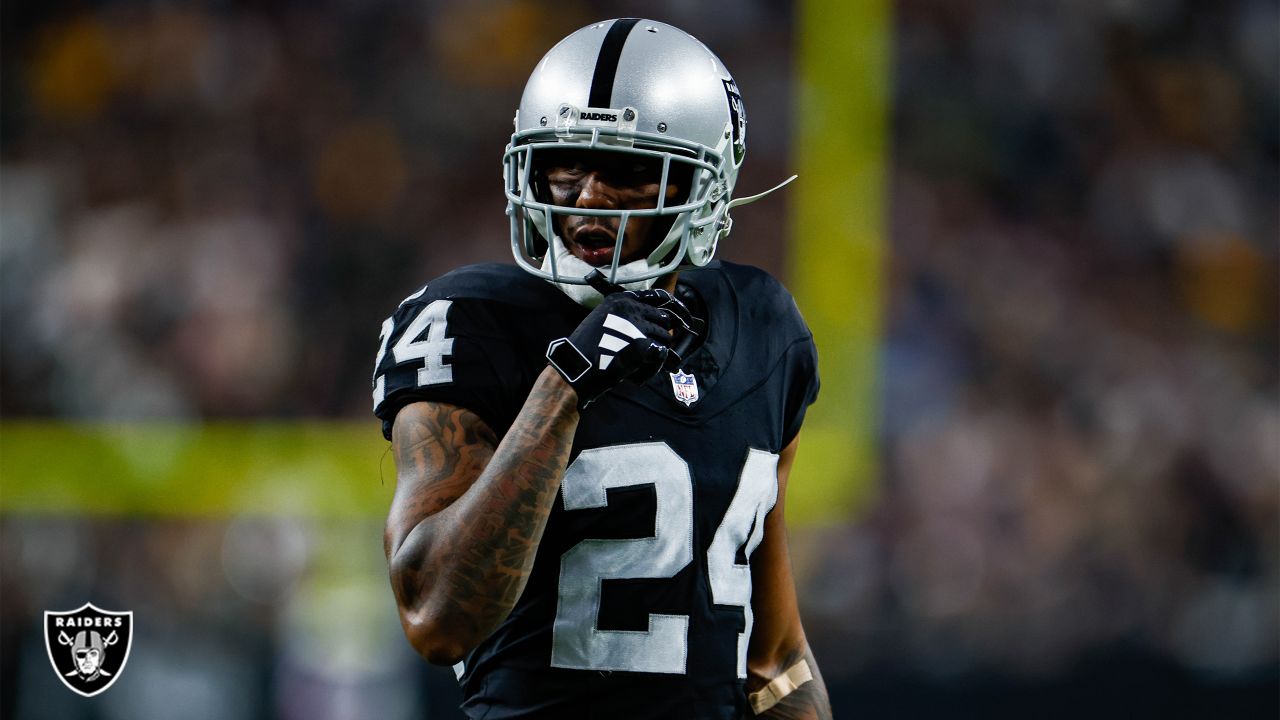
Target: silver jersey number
[{"x": 577, "y": 641}]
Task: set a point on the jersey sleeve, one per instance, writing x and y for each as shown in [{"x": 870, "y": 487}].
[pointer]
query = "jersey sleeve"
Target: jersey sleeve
[
  {"x": 802, "y": 386},
  {"x": 790, "y": 334},
  {"x": 448, "y": 350}
]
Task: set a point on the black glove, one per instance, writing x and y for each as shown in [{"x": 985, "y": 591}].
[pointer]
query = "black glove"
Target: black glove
[
  {"x": 687, "y": 330},
  {"x": 625, "y": 338}
]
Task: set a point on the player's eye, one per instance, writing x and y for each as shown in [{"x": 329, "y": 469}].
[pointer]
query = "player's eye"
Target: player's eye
[
  {"x": 558, "y": 175},
  {"x": 557, "y": 160},
  {"x": 646, "y": 170}
]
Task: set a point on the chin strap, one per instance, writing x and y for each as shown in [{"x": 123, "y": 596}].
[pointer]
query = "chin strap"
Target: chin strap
[
  {"x": 568, "y": 265},
  {"x": 597, "y": 280},
  {"x": 737, "y": 202}
]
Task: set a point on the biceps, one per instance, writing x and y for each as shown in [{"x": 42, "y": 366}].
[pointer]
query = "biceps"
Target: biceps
[{"x": 439, "y": 451}]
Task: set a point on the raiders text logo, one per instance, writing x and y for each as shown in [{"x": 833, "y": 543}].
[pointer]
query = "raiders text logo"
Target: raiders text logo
[{"x": 88, "y": 646}]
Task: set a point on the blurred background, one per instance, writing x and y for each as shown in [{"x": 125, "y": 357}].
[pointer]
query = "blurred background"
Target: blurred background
[{"x": 207, "y": 208}]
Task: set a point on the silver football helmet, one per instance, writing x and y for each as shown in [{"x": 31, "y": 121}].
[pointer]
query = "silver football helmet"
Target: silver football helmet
[{"x": 627, "y": 86}]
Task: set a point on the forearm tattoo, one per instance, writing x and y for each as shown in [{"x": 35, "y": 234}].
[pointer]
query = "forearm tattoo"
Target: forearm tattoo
[
  {"x": 478, "y": 507},
  {"x": 807, "y": 702}
]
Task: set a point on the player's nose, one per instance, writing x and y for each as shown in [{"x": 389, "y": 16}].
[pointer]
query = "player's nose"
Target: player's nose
[{"x": 596, "y": 192}]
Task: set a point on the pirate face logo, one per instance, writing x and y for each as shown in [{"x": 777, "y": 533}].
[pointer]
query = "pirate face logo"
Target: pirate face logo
[
  {"x": 88, "y": 646},
  {"x": 737, "y": 120},
  {"x": 87, "y": 649}
]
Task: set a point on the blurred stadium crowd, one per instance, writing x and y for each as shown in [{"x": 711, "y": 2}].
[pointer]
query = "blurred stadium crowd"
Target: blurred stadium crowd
[
  {"x": 208, "y": 208},
  {"x": 220, "y": 204},
  {"x": 1081, "y": 428}
]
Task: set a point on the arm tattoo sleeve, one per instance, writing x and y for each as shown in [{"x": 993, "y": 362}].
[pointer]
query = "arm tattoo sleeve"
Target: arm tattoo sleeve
[{"x": 469, "y": 511}]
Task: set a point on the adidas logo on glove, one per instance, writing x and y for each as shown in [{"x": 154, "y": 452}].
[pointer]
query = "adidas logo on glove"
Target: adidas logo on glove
[{"x": 611, "y": 343}]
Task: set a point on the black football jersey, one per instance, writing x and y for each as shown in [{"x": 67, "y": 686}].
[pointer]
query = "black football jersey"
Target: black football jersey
[{"x": 639, "y": 602}]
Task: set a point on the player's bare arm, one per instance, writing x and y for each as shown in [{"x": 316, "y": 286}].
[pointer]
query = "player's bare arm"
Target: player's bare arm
[
  {"x": 469, "y": 512},
  {"x": 779, "y": 657}
]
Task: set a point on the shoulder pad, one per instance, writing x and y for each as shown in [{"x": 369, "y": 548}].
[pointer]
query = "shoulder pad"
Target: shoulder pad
[
  {"x": 494, "y": 282},
  {"x": 771, "y": 303}
]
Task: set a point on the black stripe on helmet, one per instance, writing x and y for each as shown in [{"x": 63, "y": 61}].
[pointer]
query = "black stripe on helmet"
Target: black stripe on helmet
[{"x": 607, "y": 62}]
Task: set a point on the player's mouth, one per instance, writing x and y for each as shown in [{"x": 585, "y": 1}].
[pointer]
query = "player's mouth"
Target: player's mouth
[{"x": 595, "y": 244}]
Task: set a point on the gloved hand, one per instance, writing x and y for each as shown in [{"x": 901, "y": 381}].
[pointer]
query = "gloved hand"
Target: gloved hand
[
  {"x": 626, "y": 337},
  {"x": 687, "y": 330}
]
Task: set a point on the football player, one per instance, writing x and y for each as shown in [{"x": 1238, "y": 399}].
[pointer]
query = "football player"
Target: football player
[{"x": 592, "y": 445}]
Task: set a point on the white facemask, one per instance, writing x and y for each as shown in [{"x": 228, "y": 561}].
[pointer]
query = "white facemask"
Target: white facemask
[{"x": 568, "y": 265}]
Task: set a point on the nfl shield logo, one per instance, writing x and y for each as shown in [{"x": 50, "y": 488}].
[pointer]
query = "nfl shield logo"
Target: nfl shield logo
[
  {"x": 685, "y": 386},
  {"x": 88, "y": 646}
]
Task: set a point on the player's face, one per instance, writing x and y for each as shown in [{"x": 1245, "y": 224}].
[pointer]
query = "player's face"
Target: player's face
[
  {"x": 87, "y": 661},
  {"x": 607, "y": 181}
]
